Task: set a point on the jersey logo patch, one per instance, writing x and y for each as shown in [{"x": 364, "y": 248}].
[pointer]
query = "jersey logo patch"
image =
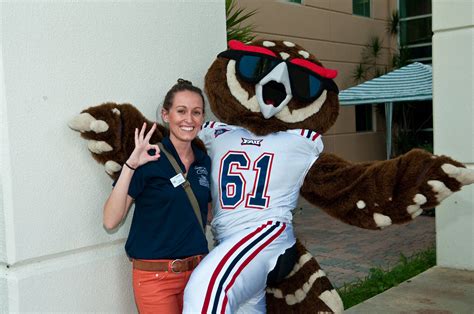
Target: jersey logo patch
[
  {"x": 220, "y": 132},
  {"x": 201, "y": 170},
  {"x": 203, "y": 181},
  {"x": 247, "y": 141}
]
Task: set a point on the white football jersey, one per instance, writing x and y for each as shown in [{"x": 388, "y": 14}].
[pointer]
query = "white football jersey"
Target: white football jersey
[{"x": 256, "y": 178}]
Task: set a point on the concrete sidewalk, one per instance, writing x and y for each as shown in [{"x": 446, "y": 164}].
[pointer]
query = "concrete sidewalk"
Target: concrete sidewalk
[
  {"x": 437, "y": 290},
  {"x": 347, "y": 253}
]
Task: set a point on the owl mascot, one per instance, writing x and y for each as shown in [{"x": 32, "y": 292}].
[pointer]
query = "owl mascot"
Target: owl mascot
[{"x": 275, "y": 100}]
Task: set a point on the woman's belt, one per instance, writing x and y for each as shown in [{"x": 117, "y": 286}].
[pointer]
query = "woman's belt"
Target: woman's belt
[{"x": 175, "y": 266}]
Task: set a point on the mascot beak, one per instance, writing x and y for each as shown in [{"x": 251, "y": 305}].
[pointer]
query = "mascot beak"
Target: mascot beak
[{"x": 274, "y": 91}]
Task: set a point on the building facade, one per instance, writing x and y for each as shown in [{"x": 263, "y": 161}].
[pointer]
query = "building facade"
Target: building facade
[{"x": 337, "y": 33}]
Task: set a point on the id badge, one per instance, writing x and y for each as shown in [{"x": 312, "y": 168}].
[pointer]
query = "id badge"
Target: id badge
[{"x": 177, "y": 180}]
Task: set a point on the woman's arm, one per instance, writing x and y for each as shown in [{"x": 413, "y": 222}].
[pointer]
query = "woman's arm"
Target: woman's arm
[{"x": 118, "y": 203}]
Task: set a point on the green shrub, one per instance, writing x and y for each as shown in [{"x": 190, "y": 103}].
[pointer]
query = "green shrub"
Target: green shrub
[{"x": 380, "y": 280}]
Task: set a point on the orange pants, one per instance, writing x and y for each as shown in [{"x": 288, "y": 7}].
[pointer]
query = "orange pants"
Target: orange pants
[{"x": 159, "y": 291}]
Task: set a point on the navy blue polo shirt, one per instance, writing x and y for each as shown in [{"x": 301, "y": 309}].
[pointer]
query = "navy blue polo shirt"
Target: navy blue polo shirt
[{"x": 164, "y": 224}]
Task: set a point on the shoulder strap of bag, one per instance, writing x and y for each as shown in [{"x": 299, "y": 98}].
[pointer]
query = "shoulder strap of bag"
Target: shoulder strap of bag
[{"x": 186, "y": 185}]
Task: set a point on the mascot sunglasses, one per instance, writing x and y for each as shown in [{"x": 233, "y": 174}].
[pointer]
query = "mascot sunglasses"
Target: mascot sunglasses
[{"x": 306, "y": 85}]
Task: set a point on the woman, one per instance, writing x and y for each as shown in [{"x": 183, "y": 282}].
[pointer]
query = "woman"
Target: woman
[{"x": 165, "y": 241}]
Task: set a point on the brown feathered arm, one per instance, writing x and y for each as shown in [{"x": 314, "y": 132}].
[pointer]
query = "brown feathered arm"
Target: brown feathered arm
[
  {"x": 109, "y": 130},
  {"x": 377, "y": 194}
]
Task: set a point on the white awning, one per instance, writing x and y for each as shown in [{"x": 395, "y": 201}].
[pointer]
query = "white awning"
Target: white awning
[{"x": 412, "y": 82}]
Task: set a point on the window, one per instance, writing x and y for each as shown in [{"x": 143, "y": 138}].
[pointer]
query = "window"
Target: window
[
  {"x": 361, "y": 7},
  {"x": 415, "y": 29},
  {"x": 420, "y": 53},
  {"x": 413, "y": 8},
  {"x": 363, "y": 115}
]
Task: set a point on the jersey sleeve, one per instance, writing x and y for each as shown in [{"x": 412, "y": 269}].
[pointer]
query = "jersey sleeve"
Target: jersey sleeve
[
  {"x": 209, "y": 131},
  {"x": 312, "y": 143},
  {"x": 312, "y": 138}
]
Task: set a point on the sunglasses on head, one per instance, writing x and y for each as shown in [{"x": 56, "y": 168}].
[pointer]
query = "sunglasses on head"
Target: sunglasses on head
[{"x": 251, "y": 67}]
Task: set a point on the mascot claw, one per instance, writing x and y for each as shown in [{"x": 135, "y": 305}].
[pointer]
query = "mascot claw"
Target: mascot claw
[
  {"x": 102, "y": 127},
  {"x": 382, "y": 221},
  {"x": 440, "y": 190},
  {"x": 463, "y": 175},
  {"x": 99, "y": 126},
  {"x": 98, "y": 147},
  {"x": 415, "y": 210},
  {"x": 112, "y": 167},
  {"x": 82, "y": 122},
  {"x": 85, "y": 122}
]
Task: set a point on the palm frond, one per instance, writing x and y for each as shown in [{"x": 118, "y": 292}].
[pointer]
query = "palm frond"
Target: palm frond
[
  {"x": 235, "y": 17},
  {"x": 392, "y": 26},
  {"x": 359, "y": 74},
  {"x": 375, "y": 47}
]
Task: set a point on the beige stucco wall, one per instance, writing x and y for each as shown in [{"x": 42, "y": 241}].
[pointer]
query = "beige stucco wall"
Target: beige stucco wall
[
  {"x": 328, "y": 29},
  {"x": 57, "y": 58},
  {"x": 453, "y": 116}
]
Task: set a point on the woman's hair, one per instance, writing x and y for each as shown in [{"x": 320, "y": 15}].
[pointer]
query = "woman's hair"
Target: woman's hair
[{"x": 181, "y": 85}]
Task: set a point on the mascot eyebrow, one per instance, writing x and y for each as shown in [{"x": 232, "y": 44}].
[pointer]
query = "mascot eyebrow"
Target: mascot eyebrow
[
  {"x": 238, "y": 45},
  {"x": 313, "y": 67}
]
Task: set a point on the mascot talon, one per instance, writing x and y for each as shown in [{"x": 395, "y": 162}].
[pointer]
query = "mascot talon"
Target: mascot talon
[
  {"x": 463, "y": 175},
  {"x": 305, "y": 287},
  {"x": 82, "y": 122},
  {"x": 108, "y": 129},
  {"x": 275, "y": 100},
  {"x": 112, "y": 167}
]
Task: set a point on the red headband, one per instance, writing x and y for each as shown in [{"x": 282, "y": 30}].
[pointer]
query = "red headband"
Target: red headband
[{"x": 324, "y": 72}]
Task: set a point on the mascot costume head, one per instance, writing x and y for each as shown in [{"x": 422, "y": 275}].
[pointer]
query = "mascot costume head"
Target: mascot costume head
[{"x": 270, "y": 87}]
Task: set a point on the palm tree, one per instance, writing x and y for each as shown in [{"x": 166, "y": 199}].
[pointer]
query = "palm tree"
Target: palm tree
[
  {"x": 371, "y": 54},
  {"x": 359, "y": 74},
  {"x": 393, "y": 24},
  {"x": 235, "y": 17},
  {"x": 368, "y": 68}
]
